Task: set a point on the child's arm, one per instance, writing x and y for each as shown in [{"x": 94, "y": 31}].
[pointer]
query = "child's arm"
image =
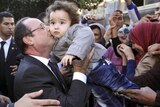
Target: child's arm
[{"x": 83, "y": 39}]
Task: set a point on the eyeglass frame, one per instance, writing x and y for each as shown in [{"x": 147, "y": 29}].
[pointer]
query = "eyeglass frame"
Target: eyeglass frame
[{"x": 42, "y": 26}]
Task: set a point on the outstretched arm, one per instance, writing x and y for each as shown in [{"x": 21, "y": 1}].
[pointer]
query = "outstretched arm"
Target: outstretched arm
[{"x": 143, "y": 95}]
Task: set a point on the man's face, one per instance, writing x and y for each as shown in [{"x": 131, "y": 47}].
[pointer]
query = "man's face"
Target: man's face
[
  {"x": 118, "y": 19},
  {"x": 59, "y": 23},
  {"x": 41, "y": 37},
  {"x": 7, "y": 26}
]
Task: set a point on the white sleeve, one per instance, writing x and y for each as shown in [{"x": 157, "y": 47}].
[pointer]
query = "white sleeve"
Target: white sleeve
[
  {"x": 133, "y": 12},
  {"x": 80, "y": 76}
]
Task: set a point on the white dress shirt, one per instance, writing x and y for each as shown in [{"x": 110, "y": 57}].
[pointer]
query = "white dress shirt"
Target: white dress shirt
[
  {"x": 6, "y": 46},
  {"x": 76, "y": 75}
]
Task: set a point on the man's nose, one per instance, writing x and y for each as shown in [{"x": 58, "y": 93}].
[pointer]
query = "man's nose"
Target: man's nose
[{"x": 10, "y": 26}]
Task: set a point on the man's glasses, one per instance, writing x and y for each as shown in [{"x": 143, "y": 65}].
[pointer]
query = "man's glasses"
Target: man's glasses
[{"x": 42, "y": 26}]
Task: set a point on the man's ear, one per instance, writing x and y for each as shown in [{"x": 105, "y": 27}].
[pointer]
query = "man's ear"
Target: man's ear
[{"x": 27, "y": 40}]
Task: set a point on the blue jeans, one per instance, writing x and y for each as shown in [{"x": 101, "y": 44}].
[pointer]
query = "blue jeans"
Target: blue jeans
[{"x": 106, "y": 80}]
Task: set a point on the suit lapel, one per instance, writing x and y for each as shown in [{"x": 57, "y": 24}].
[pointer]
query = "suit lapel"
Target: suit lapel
[{"x": 37, "y": 62}]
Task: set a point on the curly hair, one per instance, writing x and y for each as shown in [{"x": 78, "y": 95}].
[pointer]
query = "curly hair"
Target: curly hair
[{"x": 70, "y": 7}]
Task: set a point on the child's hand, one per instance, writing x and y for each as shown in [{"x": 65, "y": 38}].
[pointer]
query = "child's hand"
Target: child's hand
[{"x": 67, "y": 59}]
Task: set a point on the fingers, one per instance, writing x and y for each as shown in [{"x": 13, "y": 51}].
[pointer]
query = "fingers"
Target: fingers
[
  {"x": 67, "y": 59},
  {"x": 89, "y": 17},
  {"x": 14, "y": 67},
  {"x": 4, "y": 99},
  {"x": 131, "y": 91},
  {"x": 34, "y": 94},
  {"x": 7, "y": 100},
  {"x": 154, "y": 49},
  {"x": 13, "y": 73},
  {"x": 130, "y": 94},
  {"x": 154, "y": 53},
  {"x": 64, "y": 62},
  {"x": 47, "y": 102}
]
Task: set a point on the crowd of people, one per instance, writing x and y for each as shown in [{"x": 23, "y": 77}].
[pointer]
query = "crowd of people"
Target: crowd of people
[{"x": 60, "y": 60}]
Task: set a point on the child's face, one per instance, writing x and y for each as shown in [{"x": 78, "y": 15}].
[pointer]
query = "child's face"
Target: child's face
[{"x": 59, "y": 23}]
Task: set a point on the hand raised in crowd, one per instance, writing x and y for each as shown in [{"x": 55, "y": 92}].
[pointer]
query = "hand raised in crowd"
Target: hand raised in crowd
[
  {"x": 89, "y": 17},
  {"x": 143, "y": 95},
  {"x": 4, "y": 99},
  {"x": 154, "y": 49},
  {"x": 28, "y": 101},
  {"x": 128, "y": 1},
  {"x": 148, "y": 18},
  {"x": 114, "y": 18},
  {"x": 110, "y": 33},
  {"x": 145, "y": 18}
]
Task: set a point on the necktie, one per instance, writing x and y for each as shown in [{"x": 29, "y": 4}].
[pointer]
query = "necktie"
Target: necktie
[
  {"x": 55, "y": 71},
  {"x": 2, "y": 55}
]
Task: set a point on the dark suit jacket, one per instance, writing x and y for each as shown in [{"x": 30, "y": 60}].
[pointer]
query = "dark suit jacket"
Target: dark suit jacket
[
  {"x": 33, "y": 75},
  {"x": 6, "y": 79}
]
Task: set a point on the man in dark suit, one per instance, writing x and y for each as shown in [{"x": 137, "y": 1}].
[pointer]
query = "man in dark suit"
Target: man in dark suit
[
  {"x": 9, "y": 51},
  {"x": 35, "y": 41}
]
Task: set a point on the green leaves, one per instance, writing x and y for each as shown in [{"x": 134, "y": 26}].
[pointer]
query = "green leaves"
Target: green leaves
[
  {"x": 31, "y": 8},
  {"x": 88, "y": 4}
]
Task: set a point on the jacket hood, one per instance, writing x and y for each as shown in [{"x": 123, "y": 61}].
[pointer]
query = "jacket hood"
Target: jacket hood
[{"x": 102, "y": 29}]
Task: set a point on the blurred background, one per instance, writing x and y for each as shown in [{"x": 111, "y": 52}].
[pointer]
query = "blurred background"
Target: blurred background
[{"x": 100, "y": 8}]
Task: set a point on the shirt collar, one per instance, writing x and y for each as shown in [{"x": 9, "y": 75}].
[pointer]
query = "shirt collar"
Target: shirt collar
[
  {"x": 42, "y": 59},
  {"x": 8, "y": 41}
]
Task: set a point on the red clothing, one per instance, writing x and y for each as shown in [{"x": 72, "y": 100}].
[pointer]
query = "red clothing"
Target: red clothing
[{"x": 145, "y": 34}]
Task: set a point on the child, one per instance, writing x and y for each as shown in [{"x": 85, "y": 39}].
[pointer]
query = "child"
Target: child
[{"x": 75, "y": 41}]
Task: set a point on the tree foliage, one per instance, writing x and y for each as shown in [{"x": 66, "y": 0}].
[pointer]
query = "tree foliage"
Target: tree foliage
[{"x": 31, "y": 8}]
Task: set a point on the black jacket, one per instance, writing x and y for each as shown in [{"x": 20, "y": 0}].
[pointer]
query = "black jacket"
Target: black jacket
[{"x": 33, "y": 75}]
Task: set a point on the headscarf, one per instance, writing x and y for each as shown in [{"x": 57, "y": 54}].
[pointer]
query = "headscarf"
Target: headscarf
[
  {"x": 101, "y": 27},
  {"x": 145, "y": 34},
  {"x": 124, "y": 29}
]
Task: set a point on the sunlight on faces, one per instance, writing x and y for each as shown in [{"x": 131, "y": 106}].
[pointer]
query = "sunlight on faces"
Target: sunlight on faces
[{"x": 59, "y": 23}]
